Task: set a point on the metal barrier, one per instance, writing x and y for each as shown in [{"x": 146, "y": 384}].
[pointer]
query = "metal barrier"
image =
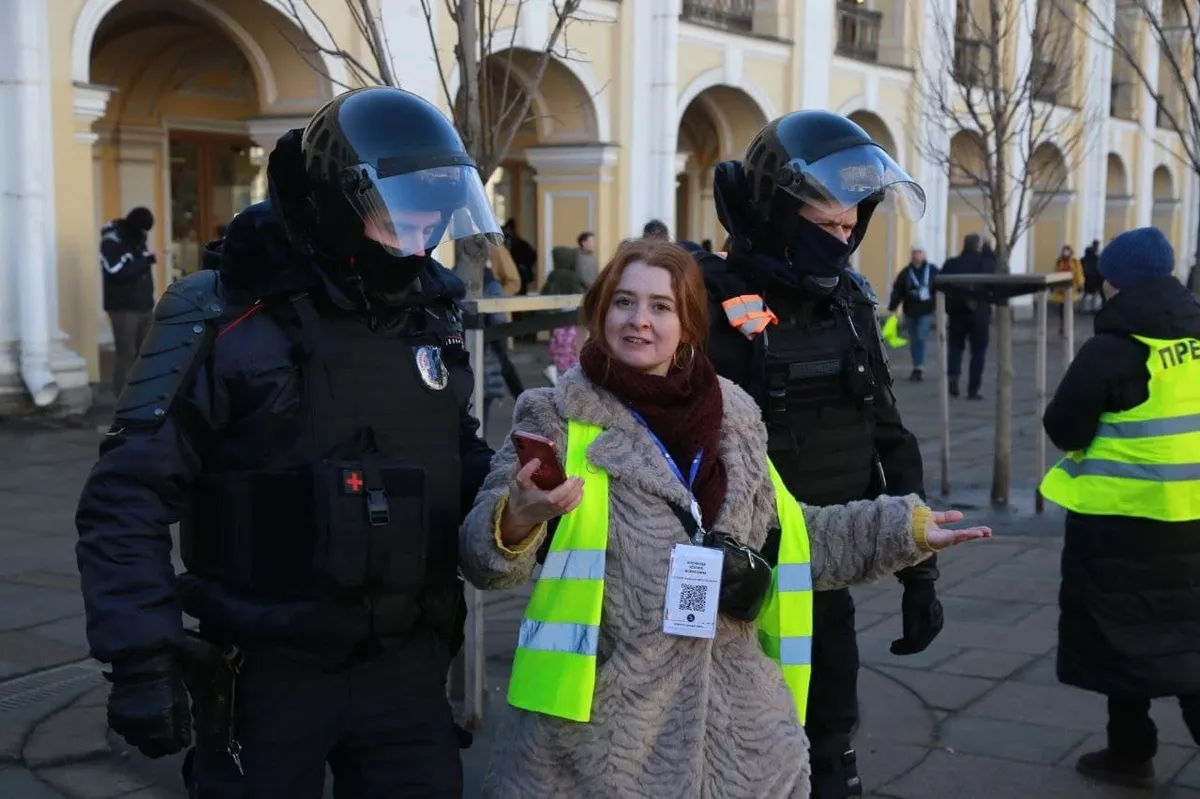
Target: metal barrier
[{"x": 557, "y": 310}]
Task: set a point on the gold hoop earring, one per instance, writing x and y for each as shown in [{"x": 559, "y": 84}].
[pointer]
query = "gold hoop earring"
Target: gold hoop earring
[{"x": 691, "y": 357}]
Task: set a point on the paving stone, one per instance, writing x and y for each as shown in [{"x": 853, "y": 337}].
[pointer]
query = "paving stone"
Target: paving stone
[
  {"x": 998, "y": 637},
  {"x": 30, "y": 651},
  {"x": 17, "y": 782},
  {"x": 1049, "y": 706},
  {"x": 12, "y": 740},
  {"x": 57, "y": 581},
  {"x": 1042, "y": 569},
  {"x": 971, "y": 609},
  {"x": 1042, "y": 671},
  {"x": 874, "y": 647},
  {"x": 1170, "y": 761},
  {"x": 865, "y": 621},
  {"x": 945, "y": 775},
  {"x": 880, "y": 763},
  {"x": 97, "y": 697},
  {"x": 25, "y": 605},
  {"x": 1189, "y": 775},
  {"x": 152, "y": 793},
  {"x": 940, "y": 691},
  {"x": 73, "y": 734},
  {"x": 1003, "y": 590},
  {"x": 1011, "y": 740},
  {"x": 103, "y": 780},
  {"x": 1044, "y": 618},
  {"x": 894, "y": 715},
  {"x": 986, "y": 663}
]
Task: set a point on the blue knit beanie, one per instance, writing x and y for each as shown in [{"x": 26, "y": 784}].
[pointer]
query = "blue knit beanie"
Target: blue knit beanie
[{"x": 1135, "y": 256}]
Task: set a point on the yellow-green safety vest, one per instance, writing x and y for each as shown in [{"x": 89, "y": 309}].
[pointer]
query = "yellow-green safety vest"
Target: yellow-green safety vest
[
  {"x": 554, "y": 668},
  {"x": 1143, "y": 462}
]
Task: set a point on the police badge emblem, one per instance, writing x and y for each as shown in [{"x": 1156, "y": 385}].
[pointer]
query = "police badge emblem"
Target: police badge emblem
[{"x": 431, "y": 366}]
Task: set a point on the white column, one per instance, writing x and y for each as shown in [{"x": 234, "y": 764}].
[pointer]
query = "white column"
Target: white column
[
  {"x": 90, "y": 102},
  {"x": 664, "y": 99},
  {"x": 28, "y": 220},
  {"x": 411, "y": 47},
  {"x": 1143, "y": 188},
  {"x": 820, "y": 35},
  {"x": 932, "y": 174},
  {"x": 639, "y": 131},
  {"x": 1092, "y": 171},
  {"x": 1018, "y": 259}
]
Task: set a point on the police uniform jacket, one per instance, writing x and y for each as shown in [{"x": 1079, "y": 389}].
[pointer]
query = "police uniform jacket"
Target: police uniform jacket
[
  {"x": 671, "y": 716},
  {"x": 233, "y": 408},
  {"x": 1130, "y": 597},
  {"x": 820, "y": 470}
]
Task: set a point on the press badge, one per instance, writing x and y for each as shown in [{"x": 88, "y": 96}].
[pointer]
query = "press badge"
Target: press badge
[{"x": 693, "y": 588}]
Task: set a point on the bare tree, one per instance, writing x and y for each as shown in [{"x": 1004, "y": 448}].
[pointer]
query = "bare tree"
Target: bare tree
[
  {"x": 495, "y": 94},
  {"x": 1173, "y": 27},
  {"x": 1017, "y": 145}
]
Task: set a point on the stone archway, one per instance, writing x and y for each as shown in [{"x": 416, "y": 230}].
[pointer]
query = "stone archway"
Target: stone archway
[
  {"x": 1117, "y": 198},
  {"x": 183, "y": 101},
  {"x": 880, "y": 255},
  {"x": 965, "y": 203},
  {"x": 1165, "y": 212},
  {"x": 716, "y": 125},
  {"x": 555, "y": 180},
  {"x": 1050, "y": 184}
]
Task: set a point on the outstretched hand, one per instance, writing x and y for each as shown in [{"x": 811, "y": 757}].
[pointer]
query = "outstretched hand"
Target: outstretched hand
[
  {"x": 940, "y": 538},
  {"x": 528, "y": 506}
]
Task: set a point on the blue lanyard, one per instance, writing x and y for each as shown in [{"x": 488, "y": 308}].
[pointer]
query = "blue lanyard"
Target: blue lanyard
[{"x": 692, "y": 472}]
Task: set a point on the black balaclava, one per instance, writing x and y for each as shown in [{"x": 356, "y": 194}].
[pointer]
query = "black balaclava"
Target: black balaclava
[
  {"x": 816, "y": 252},
  {"x": 384, "y": 276}
]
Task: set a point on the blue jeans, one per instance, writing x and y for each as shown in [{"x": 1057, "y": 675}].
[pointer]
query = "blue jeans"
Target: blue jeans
[{"x": 918, "y": 334}]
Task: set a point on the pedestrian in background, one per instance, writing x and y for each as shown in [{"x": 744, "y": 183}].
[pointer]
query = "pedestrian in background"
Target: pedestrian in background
[
  {"x": 127, "y": 269},
  {"x": 913, "y": 290},
  {"x": 1128, "y": 414}
]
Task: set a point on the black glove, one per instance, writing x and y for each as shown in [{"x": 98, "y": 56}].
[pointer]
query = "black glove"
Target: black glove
[
  {"x": 745, "y": 577},
  {"x": 923, "y": 618},
  {"x": 148, "y": 705}
]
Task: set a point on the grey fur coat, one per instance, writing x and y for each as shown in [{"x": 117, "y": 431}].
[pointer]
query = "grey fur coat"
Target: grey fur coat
[{"x": 672, "y": 716}]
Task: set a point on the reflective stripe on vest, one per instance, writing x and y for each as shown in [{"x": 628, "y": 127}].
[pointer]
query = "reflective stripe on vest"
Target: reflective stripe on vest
[
  {"x": 786, "y": 621},
  {"x": 554, "y": 668},
  {"x": 1143, "y": 462},
  {"x": 749, "y": 314}
]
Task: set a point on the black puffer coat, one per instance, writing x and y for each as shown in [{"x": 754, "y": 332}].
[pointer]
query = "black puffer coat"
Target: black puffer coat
[{"x": 1130, "y": 596}]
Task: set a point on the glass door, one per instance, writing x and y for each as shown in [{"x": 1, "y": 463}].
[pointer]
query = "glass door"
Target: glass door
[{"x": 213, "y": 177}]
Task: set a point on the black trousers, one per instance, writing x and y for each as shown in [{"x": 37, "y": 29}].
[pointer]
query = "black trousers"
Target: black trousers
[
  {"x": 1132, "y": 733},
  {"x": 832, "y": 693},
  {"x": 961, "y": 330},
  {"x": 384, "y": 727}
]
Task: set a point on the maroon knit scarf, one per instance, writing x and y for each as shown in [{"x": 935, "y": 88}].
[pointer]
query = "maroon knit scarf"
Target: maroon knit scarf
[{"x": 684, "y": 409}]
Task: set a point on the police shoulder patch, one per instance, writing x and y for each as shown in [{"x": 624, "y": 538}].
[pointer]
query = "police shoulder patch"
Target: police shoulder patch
[
  {"x": 431, "y": 366},
  {"x": 864, "y": 285}
]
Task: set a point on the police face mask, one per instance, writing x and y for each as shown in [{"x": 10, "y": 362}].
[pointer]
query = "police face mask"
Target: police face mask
[
  {"x": 816, "y": 253},
  {"x": 384, "y": 275}
]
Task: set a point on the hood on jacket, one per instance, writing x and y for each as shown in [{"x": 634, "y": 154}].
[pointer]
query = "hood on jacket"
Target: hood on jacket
[
  {"x": 1158, "y": 308},
  {"x": 564, "y": 258}
]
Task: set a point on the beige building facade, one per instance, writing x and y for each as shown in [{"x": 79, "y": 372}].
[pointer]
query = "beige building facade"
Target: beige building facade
[{"x": 176, "y": 104}]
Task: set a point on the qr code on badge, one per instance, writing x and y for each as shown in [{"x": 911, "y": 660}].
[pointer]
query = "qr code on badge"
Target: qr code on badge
[{"x": 692, "y": 597}]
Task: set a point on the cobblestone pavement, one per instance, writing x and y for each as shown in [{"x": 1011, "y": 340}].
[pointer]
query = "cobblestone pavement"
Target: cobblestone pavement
[{"x": 978, "y": 715}]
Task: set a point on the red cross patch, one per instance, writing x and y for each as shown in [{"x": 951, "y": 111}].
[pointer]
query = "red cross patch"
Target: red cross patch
[{"x": 352, "y": 481}]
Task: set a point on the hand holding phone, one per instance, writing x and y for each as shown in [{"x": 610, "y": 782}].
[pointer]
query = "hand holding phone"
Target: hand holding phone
[{"x": 549, "y": 474}]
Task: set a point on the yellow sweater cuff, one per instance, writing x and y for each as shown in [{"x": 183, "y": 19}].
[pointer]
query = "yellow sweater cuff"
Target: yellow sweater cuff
[
  {"x": 920, "y": 528},
  {"x": 523, "y": 546}
]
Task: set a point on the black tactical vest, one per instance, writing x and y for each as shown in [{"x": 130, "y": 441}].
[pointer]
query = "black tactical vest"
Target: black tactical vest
[
  {"x": 366, "y": 503},
  {"x": 818, "y": 403}
]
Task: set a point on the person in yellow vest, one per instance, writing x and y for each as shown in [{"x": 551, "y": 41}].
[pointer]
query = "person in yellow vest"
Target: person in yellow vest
[
  {"x": 665, "y": 649},
  {"x": 1128, "y": 414}
]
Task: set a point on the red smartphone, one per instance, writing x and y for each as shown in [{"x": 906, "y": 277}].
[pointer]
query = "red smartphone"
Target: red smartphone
[{"x": 550, "y": 474}]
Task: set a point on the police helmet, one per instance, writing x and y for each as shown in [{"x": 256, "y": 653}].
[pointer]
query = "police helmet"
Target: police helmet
[
  {"x": 818, "y": 156},
  {"x": 386, "y": 164}
]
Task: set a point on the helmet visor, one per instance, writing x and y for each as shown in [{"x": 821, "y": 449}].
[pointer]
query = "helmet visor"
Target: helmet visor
[
  {"x": 414, "y": 212},
  {"x": 850, "y": 176}
]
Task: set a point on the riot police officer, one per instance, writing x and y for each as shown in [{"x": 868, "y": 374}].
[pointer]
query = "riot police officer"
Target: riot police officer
[
  {"x": 795, "y": 326},
  {"x": 302, "y": 410}
]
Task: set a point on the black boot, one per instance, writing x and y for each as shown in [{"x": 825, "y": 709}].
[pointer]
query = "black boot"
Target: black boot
[
  {"x": 954, "y": 386},
  {"x": 1107, "y": 766},
  {"x": 834, "y": 770}
]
